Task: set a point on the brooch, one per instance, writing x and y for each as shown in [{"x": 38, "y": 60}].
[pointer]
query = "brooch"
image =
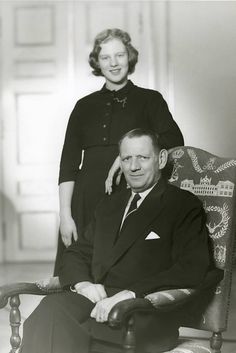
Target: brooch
[{"x": 122, "y": 101}]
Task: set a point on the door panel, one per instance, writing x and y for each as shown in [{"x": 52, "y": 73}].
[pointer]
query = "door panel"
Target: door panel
[{"x": 35, "y": 50}]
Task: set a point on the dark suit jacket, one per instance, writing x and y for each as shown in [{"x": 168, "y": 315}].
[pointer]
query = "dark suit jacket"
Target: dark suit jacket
[{"x": 179, "y": 258}]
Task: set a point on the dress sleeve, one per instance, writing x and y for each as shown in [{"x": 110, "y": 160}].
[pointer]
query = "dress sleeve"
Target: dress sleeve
[
  {"x": 72, "y": 148},
  {"x": 163, "y": 123}
]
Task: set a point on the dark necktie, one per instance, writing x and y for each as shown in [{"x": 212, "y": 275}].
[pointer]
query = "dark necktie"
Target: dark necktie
[
  {"x": 131, "y": 209},
  {"x": 133, "y": 205}
]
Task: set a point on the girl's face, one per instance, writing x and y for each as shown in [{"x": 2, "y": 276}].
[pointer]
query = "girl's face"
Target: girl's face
[{"x": 114, "y": 63}]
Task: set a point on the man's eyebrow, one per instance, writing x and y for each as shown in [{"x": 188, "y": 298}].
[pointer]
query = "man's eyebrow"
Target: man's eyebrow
[{"x": 134, "y": 155}]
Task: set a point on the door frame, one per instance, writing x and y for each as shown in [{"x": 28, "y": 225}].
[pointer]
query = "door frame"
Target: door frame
[{"x": 1, "y": 159}]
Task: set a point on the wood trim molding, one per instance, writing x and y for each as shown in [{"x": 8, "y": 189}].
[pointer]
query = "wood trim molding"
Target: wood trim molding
[
  {"x": 1, "y": 149},
  {"x": 21, "y": 38}
]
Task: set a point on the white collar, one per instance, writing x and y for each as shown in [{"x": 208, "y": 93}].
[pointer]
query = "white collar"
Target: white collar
[{"x": 143, "y": 194}]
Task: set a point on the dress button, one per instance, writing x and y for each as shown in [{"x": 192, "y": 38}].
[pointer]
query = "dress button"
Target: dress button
[
  {"x": 107, "y": 114},
  {"x": 104, "y": 126},
  {"x": 108, "y": 103},
  {"x": 104, "y": 138}
]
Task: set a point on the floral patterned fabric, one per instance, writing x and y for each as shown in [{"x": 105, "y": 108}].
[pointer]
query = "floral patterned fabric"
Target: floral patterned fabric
[
  {"x": 192, "y": 346},
  {"x": 212, "y": 179}
]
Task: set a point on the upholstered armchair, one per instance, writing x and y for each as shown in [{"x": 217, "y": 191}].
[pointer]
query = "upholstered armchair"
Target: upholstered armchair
[{"x": 212, "y": 179}]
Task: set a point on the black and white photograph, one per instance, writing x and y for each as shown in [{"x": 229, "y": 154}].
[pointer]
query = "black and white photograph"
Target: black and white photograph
[{"x": 117, "y": 176}]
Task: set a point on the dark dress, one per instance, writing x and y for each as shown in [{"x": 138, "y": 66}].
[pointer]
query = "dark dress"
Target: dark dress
[{"x": 96, "y": 124}]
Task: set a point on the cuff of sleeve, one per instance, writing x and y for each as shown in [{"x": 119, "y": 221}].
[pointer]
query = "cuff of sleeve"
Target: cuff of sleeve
[
  {"x": 72, "y": 288},
  {"x": 133, "y": 294}
]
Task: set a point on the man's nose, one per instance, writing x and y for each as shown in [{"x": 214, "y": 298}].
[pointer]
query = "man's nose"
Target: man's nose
[{"x": 134, "y": 165}]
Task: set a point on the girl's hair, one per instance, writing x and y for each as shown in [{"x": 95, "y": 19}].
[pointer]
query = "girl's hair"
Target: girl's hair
[{"x": 105, "y": 36}]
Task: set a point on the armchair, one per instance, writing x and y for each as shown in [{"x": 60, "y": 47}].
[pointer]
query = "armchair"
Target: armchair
[{"x": 212, "y": 179}]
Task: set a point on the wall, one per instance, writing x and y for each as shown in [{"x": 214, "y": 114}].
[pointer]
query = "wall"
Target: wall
[
  {"x": 201, "y": 54},
  {"x": 1, "y": 137}
]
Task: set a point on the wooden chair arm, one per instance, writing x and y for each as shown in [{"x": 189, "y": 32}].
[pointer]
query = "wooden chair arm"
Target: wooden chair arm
[
  {"x": 10, "y": 290},
  {"x": 120, "y": 312},
  {"x": 159, "y": 301}
]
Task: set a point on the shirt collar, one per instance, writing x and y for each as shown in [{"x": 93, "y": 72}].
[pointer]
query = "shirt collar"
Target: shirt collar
[
  {"x": 120, "y": 91},
  {"x": 144, "y": 193}
]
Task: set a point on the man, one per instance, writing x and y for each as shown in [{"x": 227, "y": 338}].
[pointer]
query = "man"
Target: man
[{"x": 143, "y": 239}]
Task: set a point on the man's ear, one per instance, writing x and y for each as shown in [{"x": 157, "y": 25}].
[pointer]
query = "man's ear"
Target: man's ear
[{"x": 163, "y": 157}]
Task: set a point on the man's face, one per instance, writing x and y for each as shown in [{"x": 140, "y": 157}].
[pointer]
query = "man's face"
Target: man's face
[{"x": 140, "y": 163}]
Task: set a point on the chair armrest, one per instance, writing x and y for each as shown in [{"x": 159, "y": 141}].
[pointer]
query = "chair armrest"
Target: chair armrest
[
  {"x": 122, "y": 310},
  {"x": 166, "y": 300},
  {"x": 159, "y": 301},
  {"x": 12, "y": 289}
]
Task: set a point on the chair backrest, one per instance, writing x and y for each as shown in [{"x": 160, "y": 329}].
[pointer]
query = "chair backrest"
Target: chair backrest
[{"x": 212, "y": 179}]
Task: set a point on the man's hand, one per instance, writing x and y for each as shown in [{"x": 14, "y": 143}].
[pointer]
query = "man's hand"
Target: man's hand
[
  {"x": 94, "y": 292},
  {"x": 102, "y": 308}
]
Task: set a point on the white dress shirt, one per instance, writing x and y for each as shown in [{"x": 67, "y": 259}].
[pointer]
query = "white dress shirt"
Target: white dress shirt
[{"x": 142, "y": 195}]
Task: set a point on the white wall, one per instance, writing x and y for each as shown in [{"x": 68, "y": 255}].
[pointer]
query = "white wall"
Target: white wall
[
  {"x": 1, "y": 136},
  {"x": 202, "y": 72}
]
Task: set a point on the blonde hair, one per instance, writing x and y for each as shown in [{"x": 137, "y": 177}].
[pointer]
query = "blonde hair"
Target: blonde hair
[{"x": 105, "y": 36}]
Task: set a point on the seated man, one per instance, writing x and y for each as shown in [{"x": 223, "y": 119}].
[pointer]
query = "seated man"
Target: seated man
[{"x": 149, "y": 237}]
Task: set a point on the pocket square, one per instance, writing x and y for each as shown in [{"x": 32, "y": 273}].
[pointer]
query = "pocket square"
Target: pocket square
[{"x": 152, "y": 235}]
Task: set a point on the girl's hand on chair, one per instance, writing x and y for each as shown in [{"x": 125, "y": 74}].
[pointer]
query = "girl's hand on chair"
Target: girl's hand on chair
[{"x": 115, "y": 169}]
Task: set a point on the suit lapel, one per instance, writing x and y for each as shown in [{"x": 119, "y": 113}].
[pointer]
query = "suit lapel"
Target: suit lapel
[
  {"x": 112, "y": 223},
  {"x": 136, "y": 224}
]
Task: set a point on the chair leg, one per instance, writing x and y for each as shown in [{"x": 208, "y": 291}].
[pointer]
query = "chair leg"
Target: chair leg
[
  {"x": 216, "y": 342},
  {"x": 15, "y": 321},
  {"x": 129, "y": 339}
]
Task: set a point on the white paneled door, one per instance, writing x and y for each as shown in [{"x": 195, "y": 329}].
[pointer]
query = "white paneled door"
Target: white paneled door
[
  {"x": 44, "y": 70},
  {"x": 34, "y": 75}
]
